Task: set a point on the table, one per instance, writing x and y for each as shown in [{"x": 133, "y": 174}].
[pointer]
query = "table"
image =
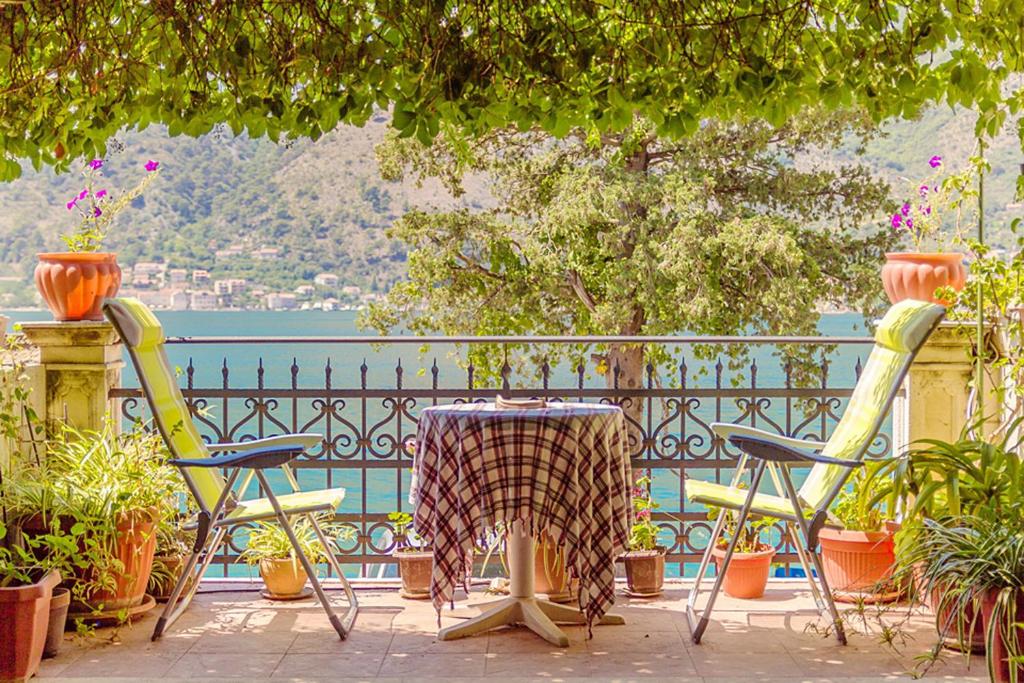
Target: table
[{"x": 562, "y": 469}]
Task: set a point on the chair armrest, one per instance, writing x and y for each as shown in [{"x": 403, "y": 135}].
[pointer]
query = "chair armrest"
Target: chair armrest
[
  {"x": 763, "y": 449},
  {"x": 257, "y": 459},
  {"x": 728, "y": 429},
  {"x": 300, "y": 441}
]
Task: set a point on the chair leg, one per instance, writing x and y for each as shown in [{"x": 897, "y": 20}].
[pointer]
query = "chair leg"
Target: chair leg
[
  {"x": 805, "y": 563},
  {"x": 837, "y": 621},
  {"x": 285, "y": 523},
  {"x": 697, "y": 629},
  {"x": 178, "y": 603},
  {"x": 705, "y": 560},
  {"x": 347, "y": 621}
]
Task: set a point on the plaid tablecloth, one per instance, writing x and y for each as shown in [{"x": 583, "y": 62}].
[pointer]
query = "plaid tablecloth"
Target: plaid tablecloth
[{"x": 563, "y": 469}]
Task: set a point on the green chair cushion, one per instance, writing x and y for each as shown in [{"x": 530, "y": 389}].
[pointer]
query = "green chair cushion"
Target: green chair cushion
[
  {"x": 327, "y": 500},
  {"x": 724, "y": 496}
]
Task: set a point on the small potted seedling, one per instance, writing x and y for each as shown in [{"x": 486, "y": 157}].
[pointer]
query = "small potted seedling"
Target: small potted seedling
[
  {"x": 414, "y": 555},
  {"x": 645, "y": 560},
  {"x": 280, "y": 567}
]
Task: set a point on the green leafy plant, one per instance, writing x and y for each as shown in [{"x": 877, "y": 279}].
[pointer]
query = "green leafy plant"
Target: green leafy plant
[
  {"x": 406, "y": 538},
  {"x": 268, "y": 541},
  {"x": 644, "y": 533},
  {"x": 97, "y": 209},
  {"x": 865, "y": 503},
  {"x": 751, "y": 534}
]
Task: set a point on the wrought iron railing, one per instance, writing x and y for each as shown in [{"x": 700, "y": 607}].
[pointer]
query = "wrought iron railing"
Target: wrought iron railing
[{"x": 367, "y": 411}]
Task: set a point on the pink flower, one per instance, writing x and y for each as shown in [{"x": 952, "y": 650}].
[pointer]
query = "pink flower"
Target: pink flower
[
  {"x": 897, "y": 221},
  {"x": 643, "y": 515},
  {"x": 905, "y": 209},
  {"x": 910, "y": 223},
  {"x": 96, "y": 164},
  {"x": 101, "y": 194},
  {"x": 935, "y": 161},
  {"x": 923, "y": 191},
  {"x": 83, "y": 194},
  {"x": 72, "y": 204},
  {"x": 152, "y": 165}
]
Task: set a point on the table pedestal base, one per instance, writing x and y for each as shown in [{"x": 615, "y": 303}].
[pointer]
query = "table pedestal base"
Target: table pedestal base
[
  {"x": 534, "y": 613},
  {"x": 523, "y": 607}
]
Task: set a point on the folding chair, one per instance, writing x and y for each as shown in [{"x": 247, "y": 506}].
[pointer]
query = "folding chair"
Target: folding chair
[
  {"x": 220, "y": 508},
  {"x": 900, "y": 335}
]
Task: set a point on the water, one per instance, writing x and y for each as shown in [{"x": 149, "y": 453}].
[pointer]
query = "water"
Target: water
[{"x": 383, "y": 489}]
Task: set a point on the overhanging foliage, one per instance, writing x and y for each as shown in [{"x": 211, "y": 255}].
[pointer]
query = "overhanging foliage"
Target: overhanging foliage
[{"x": 74, "y": 73}]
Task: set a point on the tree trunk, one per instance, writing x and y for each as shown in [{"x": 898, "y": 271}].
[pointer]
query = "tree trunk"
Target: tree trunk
[{"x": 626, "y": 371}]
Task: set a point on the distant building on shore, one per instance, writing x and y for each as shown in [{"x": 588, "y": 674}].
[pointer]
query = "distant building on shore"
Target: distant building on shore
[
  {"x": 200, "y": 278},
  {"x": 178, "y": 301},
  {"x": 305, "y": 291},
  {"x": 204, "y": 300},
  {"x": 326, "y": 280},
  {"x": 266, "y": 254},
  {"x": 177, "y": 276},
  {"x": 230, "y": 287},
  {"x": 282, "y": 301}
]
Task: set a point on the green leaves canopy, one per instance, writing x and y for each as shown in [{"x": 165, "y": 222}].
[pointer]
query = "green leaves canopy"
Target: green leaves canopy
[{"x": 72, "y": 74}]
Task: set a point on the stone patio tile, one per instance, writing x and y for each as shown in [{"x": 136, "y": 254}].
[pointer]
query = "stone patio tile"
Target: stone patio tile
[
  {"x": 848, "y": 660},
  {"x": 567, "y": 666},
  {"x": 519, "y": 639},
  {"x": 433, "y": 665},
  {"x": 633, "y": 639},
  {"x": 328, "y": 643},
  {"x": 219, "y": 665},
  {"x": 749, "y": 665},
  {"x": 268, "y": 642},
  {"x": 415, "y": 642},
  {"x": 118, "y": 663},
  {"x": 59, "y": 665},
  {"x": 332, "y": 666}
]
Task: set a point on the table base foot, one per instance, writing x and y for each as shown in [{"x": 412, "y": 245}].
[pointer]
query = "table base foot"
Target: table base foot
[{"x": 537, "y": 615}]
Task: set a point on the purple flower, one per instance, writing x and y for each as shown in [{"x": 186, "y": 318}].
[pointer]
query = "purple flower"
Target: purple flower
[
  {"x": 935, "y": 161},
  {"x": 96, "y": 164},
  {"x": 97, "y": 213},
  {"x": 897, "y": 220},
  {"x": 152, "y": 165},
  {"x": 927, "y": 211},
  {"x": 72, "y": 204},
  {"x": 923, "y": 191},
  {"x": 910, "y": 223},
  {"x": 101, "y": 194},
  {"x": 83, "y": 194},
  {"x": 905, "y": 209}
]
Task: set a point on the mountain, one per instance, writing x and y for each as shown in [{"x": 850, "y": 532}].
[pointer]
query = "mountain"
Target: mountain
[{"x": 324, "y": 206}]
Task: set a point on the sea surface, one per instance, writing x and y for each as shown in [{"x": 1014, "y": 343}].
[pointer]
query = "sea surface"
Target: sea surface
[{"x": 381, "y": 490}]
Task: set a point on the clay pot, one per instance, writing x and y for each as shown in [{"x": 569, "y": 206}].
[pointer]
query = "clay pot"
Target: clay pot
[
  {"x": 550, "y": 575},
  {"x": 946, "y": 619},
  {"x": 996, "y": 651},
  {"x": 134, "y": 544},
  {"x": 59, "y": 603},
  {"x": 911, "y": 275},
  {"x": 856, "y": 562},
  {"x": 645, "y": 571},
  {"x": 24, "y": 619},
  {"x": 173, "y": 564},
  {"x": 74, "y": 285},
  {"x": 415, "y": 567},
  {"x": 284, "y": 577},
  {"x": 747, "y": 573}
]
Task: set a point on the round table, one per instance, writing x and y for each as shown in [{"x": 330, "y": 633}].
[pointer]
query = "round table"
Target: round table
[{"x": 562, "y": 469}]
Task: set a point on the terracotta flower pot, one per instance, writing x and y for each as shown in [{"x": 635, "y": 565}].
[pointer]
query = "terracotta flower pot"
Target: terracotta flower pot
[
  {"x": 856, "y": 563},
  {"x": 550, "y": 575},
  {"x": 911, "y": 275},
  {"x": 747, "y": 574},
  {"x": 24, "y": 619},
  {"x": 949, "y": 622},
  {"x": 59, "y": 603},
  {"x": 134, "y": 544},
  {"x": 415, "y": 568},
  {"x": 74, "y": 285},
  {"x": 173, "y": 566},
  {"x": 284, "y": 577},
  {"x": 645, "y": 572},
  {"x": 996, "y": 650}
]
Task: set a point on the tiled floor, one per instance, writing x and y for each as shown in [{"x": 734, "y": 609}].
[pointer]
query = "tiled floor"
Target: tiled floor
[{"x": 232, "y": 635}]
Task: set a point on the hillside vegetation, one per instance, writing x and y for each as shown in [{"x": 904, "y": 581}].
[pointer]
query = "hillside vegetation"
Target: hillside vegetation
[{"x": 325, "y": 206}]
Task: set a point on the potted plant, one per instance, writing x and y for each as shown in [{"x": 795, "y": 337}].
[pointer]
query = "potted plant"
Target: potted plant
[
  {"x": 107, "y": 493},
  {"x": 74, "y": 283},
  {"x": 414, "y": 555},
  {"x": 751, "y": 563},
  {"x": 551, "y": 576},
  {"x": 645, "y": 559},
  {"x": 859, "y": 559},
  {"x": 280, "y": 568},
  {"x": 917, "y": 274},
  {"x": 173, "y": 546},
  {"x": 25, "y": 594}
]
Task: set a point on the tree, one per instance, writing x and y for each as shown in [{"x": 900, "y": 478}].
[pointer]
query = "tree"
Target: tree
[
  {"x": 72, "y": 74},
  {"x": 734, "y": 229}
]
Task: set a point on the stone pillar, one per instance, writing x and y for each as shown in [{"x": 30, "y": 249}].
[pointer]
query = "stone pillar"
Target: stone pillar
[
  {"x": 938, "y": 388},
  {"x": 81, "y": 362}
]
